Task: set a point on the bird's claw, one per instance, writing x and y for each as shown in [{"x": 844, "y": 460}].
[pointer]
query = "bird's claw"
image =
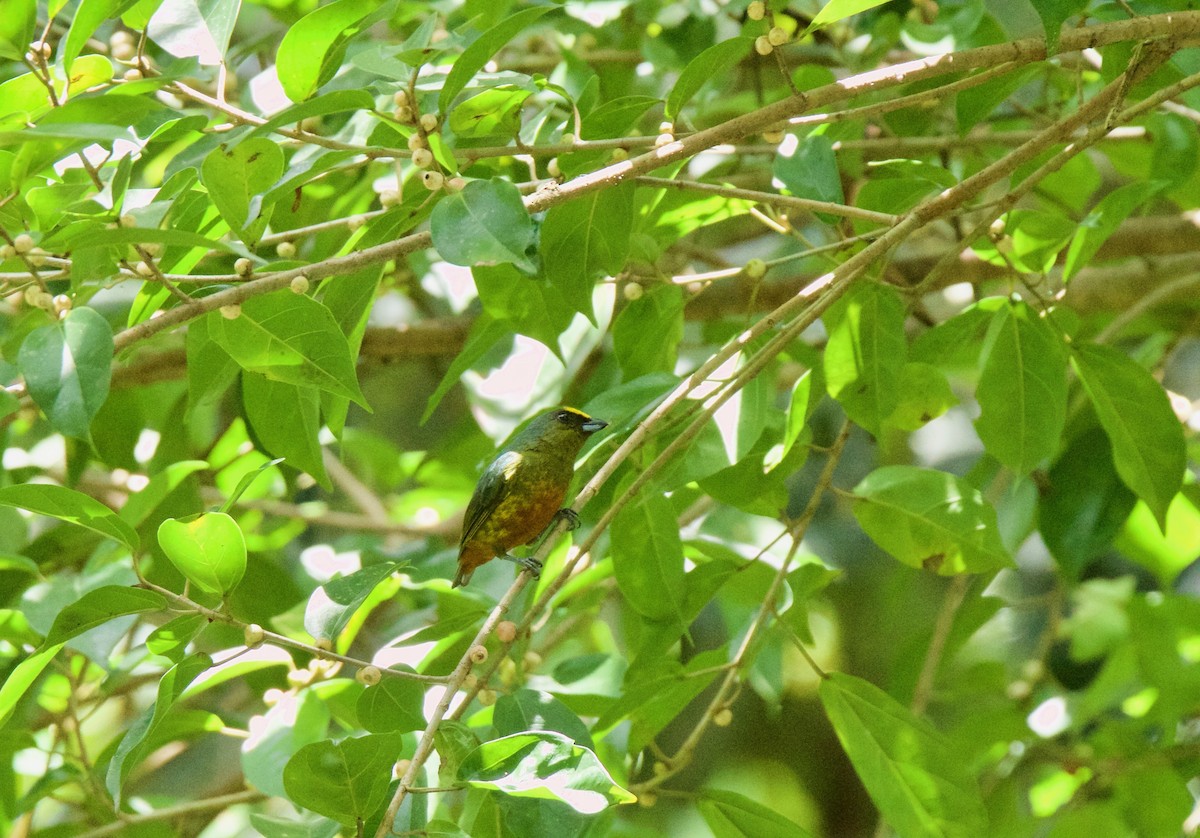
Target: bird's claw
[
  {"x": 527, "y": 563},
  {"x": 570, "y": 516}
]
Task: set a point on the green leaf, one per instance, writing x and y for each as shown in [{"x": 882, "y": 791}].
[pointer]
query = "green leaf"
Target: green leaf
[
  {"x": 647, "y": 332},
  {"x": 393, "y": 705},
  {"x": 866, "y": 352},
  {"x": 531, "y": 710},
  {"x": 346, "y": 780},
  {"x": 1082, "y": 508},
  {"x": 311, "y": 51},
  {"x": 544, "y": 765},
  {"x": 1022, "y": 389},
  {"x": 1037, "y": 238},
  {"x": 586, "y": 238},
  {"x": 194, "y": 28},
  {"x": 132, "y": 748},
  {"x": 1165, "y": 553},
  {"x": 16, "y": 28},
  {"x": 333, "y": 604},
  {"x": 481, "y": 51},
  {"x": 67, "y": 367},
  {"x": 171, "y": 639},
  {"x": 532, "y": 307},
  {"x": 810, "y": 170},
  {"x": 925, "y": 394},
  {"x": 648, "y": 557},
  {"x": 291, "y": 338},
  {"x": 732, "y": 815},
  {"x": 286, "y": 419},
  {"x": 70, "y": 506},
  {"x": 94, "y": 608},
  {"x": 493, "y": 112},
  {"x": 485, "y": 223},
  {"x": 233, "y": 176},
  {"x": 1103, "y": 221},
  {"x": 209, "y": 550},
  {"x": 930, "y": 519},
  {"x": 84, "y": 23},
  {"x": 714, "y": 63},
  {"x": 140, "y": 504},
  {"x": 914, "y": 774},
  {"x": 335, "y": 101},
  {"x": 836, "y": 10},
  {"x": 1147, "y": 439},
  {"x": 1053, "y": 13}
]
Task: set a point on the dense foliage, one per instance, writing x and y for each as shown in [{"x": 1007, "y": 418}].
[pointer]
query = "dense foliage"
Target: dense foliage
[{"x": 892, "y": 308}]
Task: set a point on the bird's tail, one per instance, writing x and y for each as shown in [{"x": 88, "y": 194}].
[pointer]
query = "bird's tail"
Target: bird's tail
[{"x": 463, "y": 576}]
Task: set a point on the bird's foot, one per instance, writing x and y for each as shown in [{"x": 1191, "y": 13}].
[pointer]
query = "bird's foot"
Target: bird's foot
[
  {"x": 526, "y": 563},
  {"x": 568, "y": 515}
]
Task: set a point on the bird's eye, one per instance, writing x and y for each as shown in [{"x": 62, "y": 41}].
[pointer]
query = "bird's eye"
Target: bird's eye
[{"x": 563, "y": 416}]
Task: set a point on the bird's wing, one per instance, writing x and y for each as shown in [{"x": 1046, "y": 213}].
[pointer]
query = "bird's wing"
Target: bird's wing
[{"x": 493, "y": 486}]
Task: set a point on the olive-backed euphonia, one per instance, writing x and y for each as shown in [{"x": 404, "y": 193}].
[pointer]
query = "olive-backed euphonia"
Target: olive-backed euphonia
[{"x": 521, "y": 492}]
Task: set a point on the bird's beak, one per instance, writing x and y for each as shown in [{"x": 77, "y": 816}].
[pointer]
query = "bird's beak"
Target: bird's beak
[{"x": 593, "y": 425}]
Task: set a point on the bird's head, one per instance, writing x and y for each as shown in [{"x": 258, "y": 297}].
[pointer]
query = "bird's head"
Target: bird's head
[{"x": 563, "y": 427}]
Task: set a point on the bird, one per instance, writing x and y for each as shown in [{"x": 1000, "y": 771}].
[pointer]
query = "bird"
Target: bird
[{"x": 521, "y": 492}]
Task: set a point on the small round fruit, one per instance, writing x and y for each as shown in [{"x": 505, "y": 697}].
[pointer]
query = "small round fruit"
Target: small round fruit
[
  {"x": 532, "y": 660},
  {"x": 723, "y": 717},
  {"x": 404, "y": 114},
  {"x": 62, "y": 303},
  {"x": 433, "y": 180},
  {"x": 132, "y": 74},
  {"x": 552, "y": 168},
  {"x": 243, "y": 267},
  {"x": 7, "y": 251},
  {"x": 478, "y": 654},
  {"x": 429, "y": 122},
  {"x": 417, "y": 141},
  {"x": 144, "y": 269},
  {"x": 778, "y": 36},
  {"x": 127, "y": 220},
  {"x": 37, "y": 257},
  {"x": 285, "y": 250},
  {"x": 666, "y": 127},
  {"x": 506, "y": 631},
  {"x": 253, "y": 635},
  {"x": 763, "y": 45},
  {"x": 663, "y": 139},
  {"x": 400, "y": 98},
  {"x": 231, "y": 312},
  {"x": 422, "y": 158},
  {"x": 633, "y": 291},
  {"x": 355, "y": 222},
  {"x": 23, "y": 243},
  {"x": 324, "y": 644},
  {"x": 647, "y": 799},
  {"x": 756, "y": 269},
  {"x": 369, "y": 676},
  {"x": 299, "y": 284},
  {"x": 568, "y": 139},
  {"x": 620, "y": 154},
  {"x": 401, "y": 768},
  {"x": 756, "y": 10},
  {"x": 456, "y": 184},
  {"x": 773, "y": 137},
  {"x": 389, "y": 197},
  {"x": 123, "y": 51},
  {"x": 487, "y": 697}
]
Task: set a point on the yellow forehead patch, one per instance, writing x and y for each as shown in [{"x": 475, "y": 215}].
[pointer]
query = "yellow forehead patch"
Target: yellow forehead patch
[{"x": 576, "y": 412}]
